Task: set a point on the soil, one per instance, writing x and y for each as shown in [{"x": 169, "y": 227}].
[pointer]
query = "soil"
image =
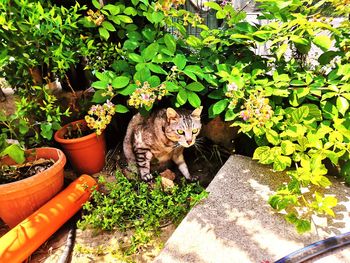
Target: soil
[
  {"x": 203, "y": 161},
  {"x": 77, "y": 130},
  {"x": 13, "y": 173}
]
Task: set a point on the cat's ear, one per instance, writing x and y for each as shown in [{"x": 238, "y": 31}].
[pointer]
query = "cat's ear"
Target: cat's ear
[
  {"x": 171, "y": 114},
  {"x": 197, "y": 112}
]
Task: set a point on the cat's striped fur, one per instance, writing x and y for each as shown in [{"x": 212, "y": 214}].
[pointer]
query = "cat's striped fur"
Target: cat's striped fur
[{"x": 161, "y": 137}]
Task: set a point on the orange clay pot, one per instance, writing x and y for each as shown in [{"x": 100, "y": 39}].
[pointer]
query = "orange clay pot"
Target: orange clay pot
[
  {"x": 20, "y": 199},
  {"x": 86, "y": 154},
  {"x": 21, "y": 241}
]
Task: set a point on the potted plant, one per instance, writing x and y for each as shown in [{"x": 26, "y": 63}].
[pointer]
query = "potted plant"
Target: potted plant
[
  {"x": 42, "y": 173},
  {"x": 84, "y": 142}
]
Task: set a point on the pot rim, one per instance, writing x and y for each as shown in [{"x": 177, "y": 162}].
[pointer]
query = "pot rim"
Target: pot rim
[
  {"x": 58, "y": 164},
  {"x": 59, "y": 134}
]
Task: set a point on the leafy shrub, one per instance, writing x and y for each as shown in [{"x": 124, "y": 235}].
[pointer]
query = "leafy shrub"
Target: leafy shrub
[
  {"x": 292, "y": 101},
  {"x": 134, "y": 205}
]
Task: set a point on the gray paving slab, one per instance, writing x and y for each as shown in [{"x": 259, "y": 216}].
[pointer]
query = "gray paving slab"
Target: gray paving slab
[{"x": 235, "y": 223}]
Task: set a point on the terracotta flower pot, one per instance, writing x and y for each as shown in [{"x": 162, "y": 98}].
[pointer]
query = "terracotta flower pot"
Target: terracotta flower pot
[
  {"x": 86, "y": 154},
  {"x": 20, "y": 199}
]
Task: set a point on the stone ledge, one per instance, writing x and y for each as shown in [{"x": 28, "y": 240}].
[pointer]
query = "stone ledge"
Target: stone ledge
[{"x": 235, "y": 223}]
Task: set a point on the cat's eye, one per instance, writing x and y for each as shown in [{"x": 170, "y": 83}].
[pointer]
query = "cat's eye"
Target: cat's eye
[
  {"x": 180, "y": 132},
  {"x": 194, "y": 131}
]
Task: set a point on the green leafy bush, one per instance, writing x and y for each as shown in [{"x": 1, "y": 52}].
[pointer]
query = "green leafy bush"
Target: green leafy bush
[
  {"x": 293, "y": 103},
  {"x": 135, "y": 205},
  {"x": 40, "y": 41}
]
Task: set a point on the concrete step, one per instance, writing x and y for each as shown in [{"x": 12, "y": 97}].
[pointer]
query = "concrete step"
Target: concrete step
[{"x": 236, "y": 224}]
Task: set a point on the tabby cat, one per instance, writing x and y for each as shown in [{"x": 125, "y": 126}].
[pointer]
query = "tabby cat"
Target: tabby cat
[{"x": 161, "y": 137}]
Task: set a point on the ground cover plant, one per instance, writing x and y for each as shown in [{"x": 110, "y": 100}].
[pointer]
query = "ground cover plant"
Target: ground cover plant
[
  {"x": 292, "y": 100},
  {"x": 132, "y": 204}
]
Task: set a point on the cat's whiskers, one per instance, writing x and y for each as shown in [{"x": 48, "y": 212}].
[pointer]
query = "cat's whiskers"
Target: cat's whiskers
[{"x": 199, "y": 145}]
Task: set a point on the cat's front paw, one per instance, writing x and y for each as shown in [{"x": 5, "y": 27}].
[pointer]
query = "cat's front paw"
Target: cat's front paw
[
  {"x": 193, "y": 178},
  {"x": 147, "y": 177}
]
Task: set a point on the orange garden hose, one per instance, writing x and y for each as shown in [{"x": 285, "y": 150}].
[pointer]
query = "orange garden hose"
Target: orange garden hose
[{"x": 22, "y": 240}]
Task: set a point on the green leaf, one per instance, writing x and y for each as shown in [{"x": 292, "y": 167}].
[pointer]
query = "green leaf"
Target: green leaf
[
  {"x": 120, "y": 82},
  {"x": 216, "y": 94},
  {"x": 156, "y": 69},
  {"x": 102, "y": 77},
  {"x": 113, "y": 9},
  {"x": 125, "y": 19},
  {"x": 15, "y": 152},
  {"x": 245, "y": 27},
  {"x": 170, "y": 42},
  {"x": 299, "y": 40},
  {"x": 100, "y": 84},
  {"x": 291, "y": 218},
  {"x": 195, "y": 69},
  {"x": 128, "y": 90},
  {"x": 263, "y": 154},
  {"x": 329, "y": 110},
  {"x": 213, "y": 5},
  {"x": 150, "y": 52},
  {"x": 181, "y": 97},
  {"x": 314, "y": 111},
  {"x": 281, "y": 50},
  {"x": 171, "y": 87},
  {"x": 327, "y": 57},
  {"x": 149, "y": 34},
  {"x": 166, "y": 51},
  {"x": 342, "y": 105},
  {"x": 154, "y": 81},
  {"x": 98, "y": 97},
  {"x": 299, "y": 114},
  {"x": 193, "y": 99},
  {"x": 157, "y": 17},
  {"x": 142, "y": 75},
  {"x": 322, "y": 41},
  {"x": 23, "y": 126},
  {"x": 103, "y": 32},
  {"x": 195, "y": 86},
  {"x": 281, "y": 163},
  {"x": 220, "y": 106},
  {"x": 180, "y": 61},
  {"x": 131, "y": 44},
  {"x": 272, "y": 137},
  {"x": 221, "y": 14},
  {"x": 303, "y": 226},
  {"x": 287, "y": 147},
  {"x": 136, "y": 58},
  {"x": 297, "y": 83},
  {"x": 96, "y": 4},
  {"x": 46, "y": 130},
  {"x": 107, "y": 25},
  {"x": 130, "y": 11},
  {"x": 230, "y": 115},
  {"x": 121, "y": 108}
]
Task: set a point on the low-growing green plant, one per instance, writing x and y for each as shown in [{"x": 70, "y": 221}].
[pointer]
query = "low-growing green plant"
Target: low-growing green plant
[
  {"x": 13, "y": 150},
  {"x": 138, "y": 206},
  {"x": 36, "y": 118}
]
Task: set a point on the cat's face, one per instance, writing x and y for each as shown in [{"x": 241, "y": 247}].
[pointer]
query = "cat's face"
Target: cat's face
[{"x": 183, "y": 127}]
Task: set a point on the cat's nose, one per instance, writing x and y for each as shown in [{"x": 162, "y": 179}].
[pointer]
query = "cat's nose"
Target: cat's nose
[{"x": 189, "y": 141}]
